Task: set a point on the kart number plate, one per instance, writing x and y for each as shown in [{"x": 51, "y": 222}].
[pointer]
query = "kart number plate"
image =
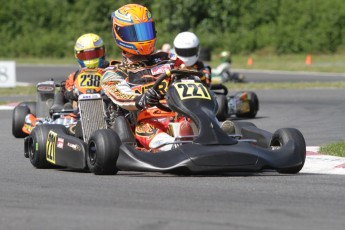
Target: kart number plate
[
  {"x": 89, "y": 80},
  {"x": 192, "y": 90}
]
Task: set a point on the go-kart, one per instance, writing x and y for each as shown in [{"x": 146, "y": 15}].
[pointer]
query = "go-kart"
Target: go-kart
[
  {"x": 222, "y": 73},
  {"x": 45, "y": 109},
  {"x": 104, "y": 150},
  {"x": 50, "y": 105},
  {"x": 243, "y": 104}
]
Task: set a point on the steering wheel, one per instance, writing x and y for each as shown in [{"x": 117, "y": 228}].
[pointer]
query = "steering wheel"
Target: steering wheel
[{"x": 177, "y": 74}]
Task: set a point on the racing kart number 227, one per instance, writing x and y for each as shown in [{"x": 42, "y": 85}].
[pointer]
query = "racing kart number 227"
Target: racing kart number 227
[{"x": 104, "y": 150}]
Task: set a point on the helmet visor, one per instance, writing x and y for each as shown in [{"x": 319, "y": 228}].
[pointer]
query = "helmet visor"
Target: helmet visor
[
  {"x": 90, "y": 54},
  {"x": 188, "y": 52},
  {"x": 138, "y": 32}
]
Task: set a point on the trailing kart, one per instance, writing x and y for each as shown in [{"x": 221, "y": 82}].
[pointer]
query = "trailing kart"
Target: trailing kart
[
  {"x": 41, "y": 109},
  {"x": 104, "y": 150},
  {"x": 243, "y": 104},
  {"x": 51, "y": 106},
  {"x": 222, "y": 73}
]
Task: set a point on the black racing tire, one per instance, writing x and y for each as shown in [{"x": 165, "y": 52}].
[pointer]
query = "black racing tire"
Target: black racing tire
[
  {"x": 37, "y": 147},
  {"x": 31, "y": 105},
  {"x": 281, "y": 137},
  {"x": 222, "y": 112},
  {"x": 18, "y": 120},
  {"x": 103, "y": 151},
  {"x": 253, "y": 106}
]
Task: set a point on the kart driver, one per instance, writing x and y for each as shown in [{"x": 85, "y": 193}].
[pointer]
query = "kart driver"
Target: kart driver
[
  {"x": 89, "y": 51},
  {"x": 187, "y": 48},
  {"x": 90, "y": 54},
  {"x": 128, "y": 83}
]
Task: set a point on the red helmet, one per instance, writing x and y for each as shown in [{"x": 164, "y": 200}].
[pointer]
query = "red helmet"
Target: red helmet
[{"x": 134, "y": 29}]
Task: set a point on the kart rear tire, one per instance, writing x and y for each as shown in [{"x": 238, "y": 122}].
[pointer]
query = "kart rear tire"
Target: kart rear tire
[
  {"x": 37, "y": 146},
  {"x": 253, "y": 106},
  {"x": 103, "y": 151},
  {"x": 18, "y": 120},
  {"x": 222, "y": 112},
  {"x": 281, "y": 137},
  {"x": 31, "y": 105}
]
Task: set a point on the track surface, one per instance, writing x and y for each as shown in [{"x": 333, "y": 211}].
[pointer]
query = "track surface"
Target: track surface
[{"x": 58, "y": 199}]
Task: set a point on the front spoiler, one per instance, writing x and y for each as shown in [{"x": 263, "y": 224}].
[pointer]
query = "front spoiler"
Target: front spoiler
[{"x": 195, "y": 158}]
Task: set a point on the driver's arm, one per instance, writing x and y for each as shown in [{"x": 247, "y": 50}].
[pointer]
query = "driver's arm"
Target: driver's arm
[{"x": 117, "y": 89}]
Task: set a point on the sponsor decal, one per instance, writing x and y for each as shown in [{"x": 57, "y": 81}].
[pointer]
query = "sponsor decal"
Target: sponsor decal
[
  {"x": 160, "y": 69},
  {"x": 50, "y": 146},
  {"x": 126, "y": 45},
  {"x": 45, "y": 88},
  {"x": 74, "y": 146},
  {"x": 60, "y": 143},
  {"x": 89, "y": 96}
]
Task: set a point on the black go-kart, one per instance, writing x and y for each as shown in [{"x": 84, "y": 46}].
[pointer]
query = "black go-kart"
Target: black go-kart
[
  {"x": 47, "y": 108},
  {"x": 104, "y": 150},
  {"x": 242, "y": 104}
]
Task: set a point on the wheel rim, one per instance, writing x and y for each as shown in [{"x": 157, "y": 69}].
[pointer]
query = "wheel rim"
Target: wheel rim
[
  {"x": 92, "y": 153},
  {"x": 276, "y": 144}
]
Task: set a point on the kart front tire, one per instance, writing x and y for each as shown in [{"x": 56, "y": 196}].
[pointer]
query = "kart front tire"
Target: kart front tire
[
  {"x": 18, "y": 120},
  {"x": 37, "y": 147},
  {"x": 31, "y": 105},
  {"x": 103, "y": 151},
  {"x": 281, "y": 137}
]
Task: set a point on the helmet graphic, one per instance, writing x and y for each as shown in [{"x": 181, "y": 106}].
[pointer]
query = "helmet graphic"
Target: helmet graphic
[
  {"x": 134, "y": 29},
  {"x": 89, "y": 51},
  {"x": 186, "y": 45}
]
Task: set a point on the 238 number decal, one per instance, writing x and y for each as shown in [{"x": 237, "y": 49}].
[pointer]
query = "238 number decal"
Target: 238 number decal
[
  {"x": 192, "y": 90},
  {"x": 90, "y": 80}
]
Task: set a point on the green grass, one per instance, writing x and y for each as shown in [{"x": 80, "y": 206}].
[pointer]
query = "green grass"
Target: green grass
[
  {"x": 285, "y": 85},
  {"x": 334, "y": 149},
  {"x": 263, "y": 60},
  {"x": 19, "y": 90},
  {"x": 320, "y": 63}
]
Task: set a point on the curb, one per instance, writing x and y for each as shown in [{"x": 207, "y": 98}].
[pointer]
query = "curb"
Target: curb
[{"x": 322, "y": 164}]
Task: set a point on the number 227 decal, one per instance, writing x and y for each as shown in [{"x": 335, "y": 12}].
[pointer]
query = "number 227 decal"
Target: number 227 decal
[{"x": 192, "y": 90}]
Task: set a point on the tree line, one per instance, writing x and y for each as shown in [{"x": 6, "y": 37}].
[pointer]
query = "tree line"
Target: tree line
[{"x": 49, "y": 28}]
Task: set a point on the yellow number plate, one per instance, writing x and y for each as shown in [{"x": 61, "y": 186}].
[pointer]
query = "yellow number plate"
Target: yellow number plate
[{"x": 189, "y": 90}]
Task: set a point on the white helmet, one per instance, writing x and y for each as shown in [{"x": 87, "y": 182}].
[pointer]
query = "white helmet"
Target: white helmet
[{"x": 186, "y": 45}]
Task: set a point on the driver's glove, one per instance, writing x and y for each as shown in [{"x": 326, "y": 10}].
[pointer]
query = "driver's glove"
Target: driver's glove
[{"x": 148, "y": 99}]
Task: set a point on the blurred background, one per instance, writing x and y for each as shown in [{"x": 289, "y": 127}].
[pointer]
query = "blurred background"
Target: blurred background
[{"x": 265, "y": 30}]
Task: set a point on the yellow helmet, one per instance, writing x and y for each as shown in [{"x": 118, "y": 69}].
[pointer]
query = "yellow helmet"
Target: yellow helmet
[
  {"x": 134, "y": 29},
  {"x": 90, "y": 51}
]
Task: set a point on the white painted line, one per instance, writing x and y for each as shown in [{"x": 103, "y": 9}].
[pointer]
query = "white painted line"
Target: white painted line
[{"x": 6, "y": 107}]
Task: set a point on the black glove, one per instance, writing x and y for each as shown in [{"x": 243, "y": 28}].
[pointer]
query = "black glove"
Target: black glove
[
  {"x": 148, "y": 99},
  {"x": 71, "y": 95}
]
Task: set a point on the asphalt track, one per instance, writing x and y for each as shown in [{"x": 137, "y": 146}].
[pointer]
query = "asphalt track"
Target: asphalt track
[{"x": 62, "y": 199}]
